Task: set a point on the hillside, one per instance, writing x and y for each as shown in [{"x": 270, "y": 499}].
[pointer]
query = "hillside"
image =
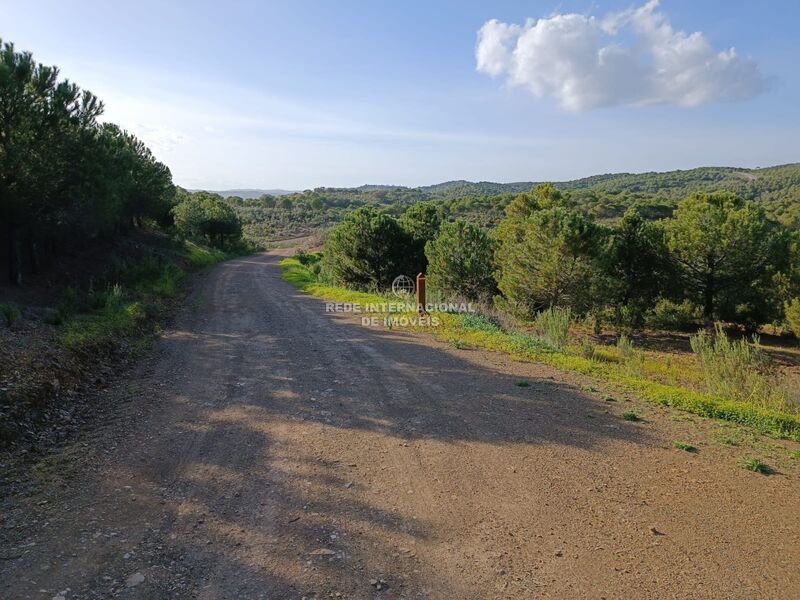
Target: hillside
[{"x": 606, "y": 197}]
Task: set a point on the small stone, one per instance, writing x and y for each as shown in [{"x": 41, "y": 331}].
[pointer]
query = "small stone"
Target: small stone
[
  {"x": 323, "y": 552},
  {"x": 560, "y": 553},
  {"x": 134, "y": 580}
]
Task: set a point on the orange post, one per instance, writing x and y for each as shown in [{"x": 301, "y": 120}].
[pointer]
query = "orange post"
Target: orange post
[{"x": 421, "y": 293}]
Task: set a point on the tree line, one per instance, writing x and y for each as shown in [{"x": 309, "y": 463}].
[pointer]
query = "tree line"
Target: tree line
[
  {"x": 67, "y": 178},
  {"x": 716, "y": 258}
]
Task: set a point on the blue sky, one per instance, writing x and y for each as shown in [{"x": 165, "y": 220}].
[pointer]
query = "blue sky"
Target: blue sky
[{"x": 301, "y": 94}]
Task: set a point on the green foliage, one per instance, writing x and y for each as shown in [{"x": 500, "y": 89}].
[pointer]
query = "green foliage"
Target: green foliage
[
  {"x": 545, "y": 256},
  {"x": 552, "y": 325},
  {"x": 630, "y": 415},
  {"x": 728, "y": 253},
  {"x": 308, "y": 258},
  {"x": 203, "y": 216},
  {"x": 631, "y": 358},
  {"x": 460, "y": 261},
  {"x": 421, "y": 221},
  {"x": 738, "y": 369},
  {"x": 477, "y": 322},
  {"x": 636, "y": 268},
  {"x": 792, "y": 311},
  {"x": 523, "y": 384},
  {"x": 667, "y": 315},
  {"x": 683, "y": 446},
  {"x": 587, "y": 348},
  {"x": 64, "y": 176},
  {"x": 367, "y": 250},
  {"x": 102, "y": 327},
  {"x": 751, "y": 463},
  {"x": 200, "y": 256},
  {"x": 9, "y": 313},
  {"x": 131, "y": 304}
]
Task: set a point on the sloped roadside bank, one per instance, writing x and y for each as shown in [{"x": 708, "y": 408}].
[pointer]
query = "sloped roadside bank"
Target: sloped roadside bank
[
  {"x": 477, "y": 332},
  {"x": 79, "y": 329}
]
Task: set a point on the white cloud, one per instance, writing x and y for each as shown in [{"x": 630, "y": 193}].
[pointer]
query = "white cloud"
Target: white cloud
[{"x": 584, "y": 62}]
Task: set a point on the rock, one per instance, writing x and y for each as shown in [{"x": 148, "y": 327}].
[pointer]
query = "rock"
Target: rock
[
  {"x": 323, "y": 552},
  {"x": 134, "y": 580},
  {"x": 560, "y": 553}
]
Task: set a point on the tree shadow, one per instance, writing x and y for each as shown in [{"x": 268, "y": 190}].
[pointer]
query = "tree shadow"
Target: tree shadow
[{"x": 281, "y": 459}]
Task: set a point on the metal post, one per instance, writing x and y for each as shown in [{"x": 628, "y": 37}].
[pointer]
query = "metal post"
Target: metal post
[{"x": 421, "y": 294}]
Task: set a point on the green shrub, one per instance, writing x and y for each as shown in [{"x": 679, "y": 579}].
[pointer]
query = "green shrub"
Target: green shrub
[
  {"x": 367, "y": 250},
  {"x": 754, "y": 464},
  {"x": 669, "y": 316},
  {"x": 111, "y": 296},
  {"x": 630, "y": 357},
  {"x": 9, "y": 313},
  {"x": 52, "y": 317},
  {"x": 68, "y": 303},
  {"x": 683, "y": 446},
  {"x": 308, "y": 258},
  {"x": 199, "y": 256},
  {"x": 587, "y": 348},
  {"x": 553, "y": 326},
  {"x": 738, "y": 370},
  {"x": 478, "y": 322},
  {"x": 793, "y": 316},
  {"x": 522, "y": 343},
  {"x": 103, "y": 327},
  {"x": 460, "y": 261},
  {"x": 166, "y": 282}
]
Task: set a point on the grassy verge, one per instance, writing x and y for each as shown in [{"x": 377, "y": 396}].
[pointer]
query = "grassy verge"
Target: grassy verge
[
  {"x": 132, "y": 299},
  {"x": 473, "y": 330}
]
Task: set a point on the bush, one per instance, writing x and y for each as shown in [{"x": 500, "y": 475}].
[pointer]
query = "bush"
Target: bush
[
  {"x": 631, "y": 358},
  {"x": 475, "y": 322},
  {"x": 111, "y": 296},
  {"x": 308, "y": 258},
  {"x": 9, "y": 313},
  {"x": 366, "y": 251},
  {"x": 587, "y": 348},
  {"x": 738, "y": 370},
  {"x": 793, "y": 316},
  {"x": 53, "y": 317},
  {"x": 205, "y": 216},
  {"x": 546, "y": 258},
  {"x": 670, "y": 316},
  {"x": 68, "y": 303},
  {"x": 553, "y": 326},
  {"x": 460, "y": 261}
]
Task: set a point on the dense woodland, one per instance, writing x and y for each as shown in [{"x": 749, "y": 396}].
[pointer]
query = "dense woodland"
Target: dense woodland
[
  {"x": 716, "y": 258},
  {"x": 67, "y": 178}
]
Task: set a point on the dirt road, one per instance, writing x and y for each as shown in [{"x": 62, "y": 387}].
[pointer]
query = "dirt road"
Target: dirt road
[{"x": 270, "y": 450}]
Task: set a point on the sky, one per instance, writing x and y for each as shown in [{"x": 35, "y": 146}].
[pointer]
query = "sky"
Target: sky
[{"x": 298, "y": 94}]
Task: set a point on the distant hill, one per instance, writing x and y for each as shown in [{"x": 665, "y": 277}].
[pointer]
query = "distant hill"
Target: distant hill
[
  {"x": 606, "y": 197},
  {"x": 251, "y": 194},
  {"x": 749, "y": 183}
]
